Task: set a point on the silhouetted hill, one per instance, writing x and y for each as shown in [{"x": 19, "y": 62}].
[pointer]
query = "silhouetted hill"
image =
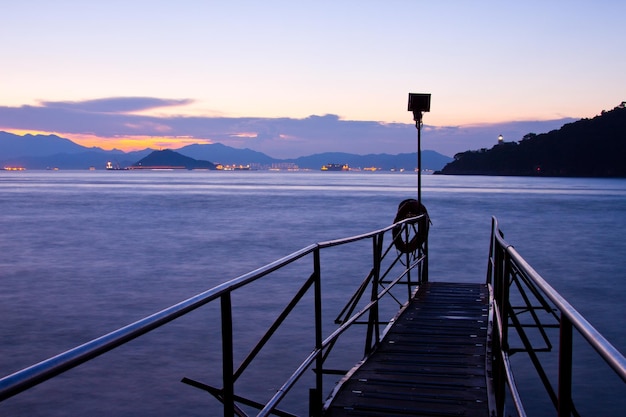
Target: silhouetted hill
[
  {"x": 586, "y": 148},
  {"x": 430, "y": 160},
  {"x": 12, "y": 146},
  {"x": 48, "y": 151},
  {"x": 223, "y": 154},
  {"x": 170, "y": 159},
  {"x": 51, "y": 151},
  {"x": 83, "y": 160},
  {"x": 220, "y": 153}
]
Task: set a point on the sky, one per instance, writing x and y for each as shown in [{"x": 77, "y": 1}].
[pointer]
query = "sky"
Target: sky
[{"x": 292, "y": 78}]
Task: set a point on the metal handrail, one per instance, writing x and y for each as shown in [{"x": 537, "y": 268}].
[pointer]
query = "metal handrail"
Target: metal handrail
[
  {"x": 29, "y": 377},
  {"x": 607, "y": 351},
  {"x": 504, "y": 267}
]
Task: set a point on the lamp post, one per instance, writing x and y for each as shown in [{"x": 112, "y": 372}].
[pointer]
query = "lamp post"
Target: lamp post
[{"x": 418, "y": 104}]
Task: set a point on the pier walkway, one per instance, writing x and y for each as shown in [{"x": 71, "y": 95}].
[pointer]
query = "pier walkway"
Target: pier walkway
[{"x": 432, "y": 362}]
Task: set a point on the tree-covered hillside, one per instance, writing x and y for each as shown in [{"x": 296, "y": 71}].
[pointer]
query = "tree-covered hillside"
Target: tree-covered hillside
[{"x": 587, "y": 148}]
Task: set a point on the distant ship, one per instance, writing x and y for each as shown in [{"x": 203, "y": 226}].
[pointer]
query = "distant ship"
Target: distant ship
[
  {"x": 336, "y": 167},
  {"x": 233, "y": 167}
]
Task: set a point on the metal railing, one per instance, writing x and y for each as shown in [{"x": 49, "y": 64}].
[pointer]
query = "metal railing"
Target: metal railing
[
  {"x": 512, "y": 278},
  {"x": 389, "y": 268}
]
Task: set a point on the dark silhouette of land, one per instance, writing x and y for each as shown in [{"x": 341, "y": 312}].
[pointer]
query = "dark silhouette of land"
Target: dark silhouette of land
[
  {"x": 587, "y": 148},
  {"x": 47, "y": 151},
  {"x": 168, "y": 159}
]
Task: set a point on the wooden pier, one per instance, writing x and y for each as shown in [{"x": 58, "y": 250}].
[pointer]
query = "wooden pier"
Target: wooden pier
[{"x": 432, "y": 362}]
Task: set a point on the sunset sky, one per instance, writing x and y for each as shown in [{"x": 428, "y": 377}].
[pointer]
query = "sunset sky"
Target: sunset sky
[{"x": 293, "y": 78}]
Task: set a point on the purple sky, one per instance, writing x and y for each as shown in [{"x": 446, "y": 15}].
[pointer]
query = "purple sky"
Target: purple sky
[{"x": 106, "y": 120}]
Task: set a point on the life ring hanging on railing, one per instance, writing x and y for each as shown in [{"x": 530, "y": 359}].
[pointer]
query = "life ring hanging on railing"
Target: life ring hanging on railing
[{"x": 407, "y": 209}]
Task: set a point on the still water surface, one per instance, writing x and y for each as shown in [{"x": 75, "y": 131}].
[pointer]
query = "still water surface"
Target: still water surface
[{"x": 83, "y": 253}]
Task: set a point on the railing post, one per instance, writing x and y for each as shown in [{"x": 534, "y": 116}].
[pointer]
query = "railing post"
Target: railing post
[
  {"x": 565, "y": 367},
  {"x": 505, "y": 303},
  {"x": 228, "y": 390},
  {"x": 424, "y": 266},
  {"x": 372, "y": 322},
  {"x": 498, "y": 277},
  {"x": 499, "y": 372},
  {"x": 490, "y": 259},
  {"x": 315, "y": 396},
  {"x": 500, "y": 280},
  {"x": 505, "y": 308},
  {"x": 407, "y": 259}
]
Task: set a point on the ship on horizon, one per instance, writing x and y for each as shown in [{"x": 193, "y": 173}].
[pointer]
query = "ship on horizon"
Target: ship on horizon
[
  {"x": 110, "y": 166},
  {"x": 336, "y": 167}
]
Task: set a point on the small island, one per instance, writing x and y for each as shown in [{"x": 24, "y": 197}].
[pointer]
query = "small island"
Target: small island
[{"x": 168, "y": 159}]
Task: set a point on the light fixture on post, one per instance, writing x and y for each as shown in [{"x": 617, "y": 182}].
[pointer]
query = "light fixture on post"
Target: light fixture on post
[{"x": 418, "y": 104}]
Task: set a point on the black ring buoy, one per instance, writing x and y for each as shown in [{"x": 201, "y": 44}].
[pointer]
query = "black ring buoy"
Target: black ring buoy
[{"x": 407, "y": 209}]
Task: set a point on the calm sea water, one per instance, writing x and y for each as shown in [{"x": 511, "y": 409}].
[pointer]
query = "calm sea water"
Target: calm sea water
[{"x": 83, "y": 253}]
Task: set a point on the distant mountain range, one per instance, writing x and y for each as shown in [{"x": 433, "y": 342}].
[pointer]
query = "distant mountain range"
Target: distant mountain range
[
  {"x": 51, "y": 151},
  {"x": 587, "y": 148}
]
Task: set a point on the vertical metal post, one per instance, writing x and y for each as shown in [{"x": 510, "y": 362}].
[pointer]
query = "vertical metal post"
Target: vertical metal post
[
  {"x": 490, "y": 258},
  {"x": 419, "y": 103},
  {"x": 315, "y": 396},
  {"x": 378, "y": 254},
  {"x": 424, "y": 266},
  {"x": 565, "y": 368},
  {"x": 423, "y": 274},
  {"x": 407, "y": 258},
  {"x": 505, "y": 303},
  {"x": 418, "y": 125},
  {"x": 372, "y": 322},
  {"x": 501, "y": 295},
  {"x": 228, "y": 389}
]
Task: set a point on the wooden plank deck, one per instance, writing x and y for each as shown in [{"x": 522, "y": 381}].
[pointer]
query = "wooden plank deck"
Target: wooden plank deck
[{"x": 430, "y": 363}]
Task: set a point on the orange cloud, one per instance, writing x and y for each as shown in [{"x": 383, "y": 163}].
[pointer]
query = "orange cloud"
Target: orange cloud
[{"x": 135, "y": 143}]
